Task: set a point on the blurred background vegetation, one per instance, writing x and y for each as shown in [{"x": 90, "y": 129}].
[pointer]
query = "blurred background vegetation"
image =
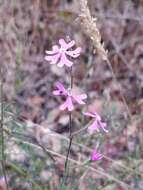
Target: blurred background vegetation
[{"x": 35, "y": 131}]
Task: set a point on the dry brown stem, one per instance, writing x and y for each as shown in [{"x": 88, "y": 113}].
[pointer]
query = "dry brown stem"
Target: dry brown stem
[{"x": 90, "y": 26}]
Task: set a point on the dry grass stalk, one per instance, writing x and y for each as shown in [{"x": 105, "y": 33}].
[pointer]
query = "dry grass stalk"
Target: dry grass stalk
[{"x": 90, "y": 27}]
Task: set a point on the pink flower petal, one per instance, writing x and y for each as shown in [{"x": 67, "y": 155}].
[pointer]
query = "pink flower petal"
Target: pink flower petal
[
  {"x": 89, "y": 114},
  {"x": 97, "y": 124},
  {"x": 58, "y": 55},
  {"x": 63, "y": 106},
  {"x": 61, "y": 63},
  {"x": 63, "y": 43},
  {"x": 93, "y": 127},
  {"x": 67, "y": 104},
  {"x": 80, "y": 98},
  {"x": 71, "y": 44},
  {"x": 55, "y": 49},
  {"x": 103, "y": 126},
  {"x": 93, "y": 114},
  {"x": 53, "y": 58},
  {"x": 96, "y": 156},
  {"x": 66, "y": 45},
  {"x": 75, "y": 53},
  {"x": 64, "y": 61},
  {"x": 56, "y": 92},
  {"x": 61, "y": 89},
  {"x": 70, "y": 104},
  {"x": 83, "y": 96},
  {"x": 97, "y": 116}
]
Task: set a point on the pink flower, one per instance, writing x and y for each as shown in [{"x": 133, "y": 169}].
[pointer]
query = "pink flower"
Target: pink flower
[
  {"x": 96, "y": 156},
  {"x": 97, "y": 123},
  {"x": 70, "y": 97},
  {"x": 58, "y": 55}
]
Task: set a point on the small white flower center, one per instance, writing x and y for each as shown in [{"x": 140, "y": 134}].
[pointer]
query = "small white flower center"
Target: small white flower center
[
  {"x": 62, "y": 50},
  {"x": 69, "y": 92}
]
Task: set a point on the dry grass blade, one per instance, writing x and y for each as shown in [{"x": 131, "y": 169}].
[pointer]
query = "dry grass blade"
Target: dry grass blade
[
  {"x": 90, "y": 27},
  {"x": 60, "y": 136},
  {"x": 101, "y": 173}
]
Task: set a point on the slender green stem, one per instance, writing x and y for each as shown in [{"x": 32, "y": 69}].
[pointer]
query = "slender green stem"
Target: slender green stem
[
  {"x": 71, "y": 78},
  {"x": 70, "y": 125},
  {"x": 70, "y": 142},
  {"x": 70, "y": 136}
]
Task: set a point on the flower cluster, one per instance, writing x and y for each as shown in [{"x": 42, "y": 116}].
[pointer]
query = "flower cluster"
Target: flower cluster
[
  {"x": 96, "y": 156},
  {"x": 97, "y": 123},
  {"x": 70, "y": 97},
  {"x": 63, "y": 55},
  {"x": 59, "y": 55}
]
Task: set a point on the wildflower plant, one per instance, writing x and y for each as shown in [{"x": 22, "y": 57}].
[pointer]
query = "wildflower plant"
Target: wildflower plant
[
  {"x": 64, "y": 55},
  {"x": 71, "y": 98},
  {"x": 97, "y": 123},
  {"x": 60, "y": 55}
]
